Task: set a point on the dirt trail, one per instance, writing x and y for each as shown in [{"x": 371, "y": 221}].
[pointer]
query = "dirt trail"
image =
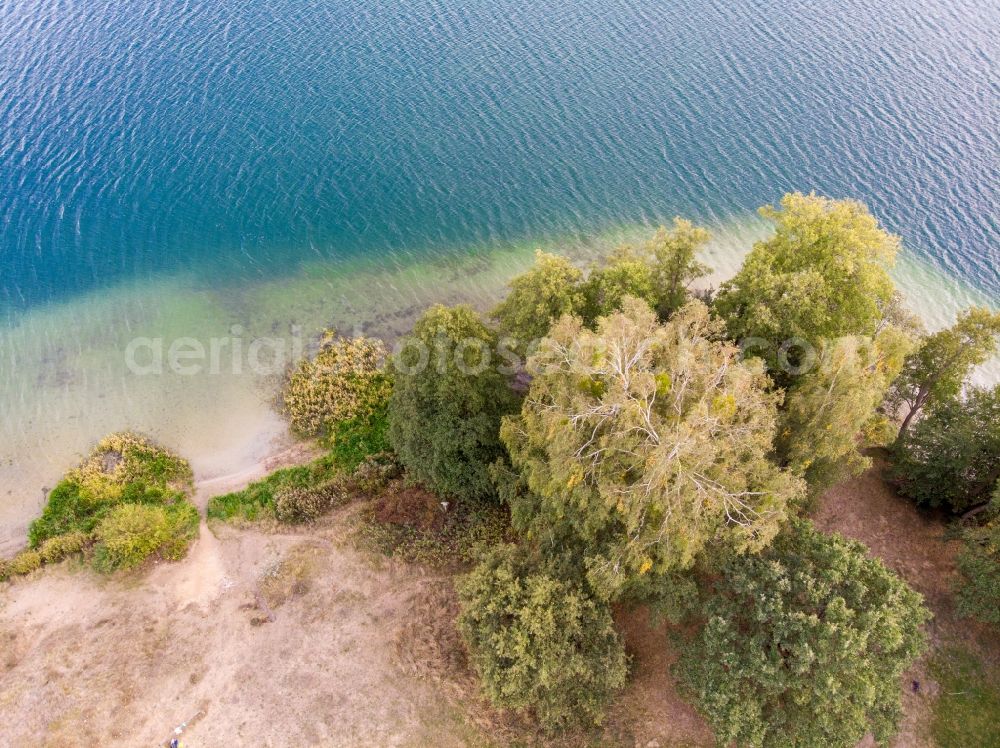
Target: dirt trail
[{"x": 87, "y": 660}]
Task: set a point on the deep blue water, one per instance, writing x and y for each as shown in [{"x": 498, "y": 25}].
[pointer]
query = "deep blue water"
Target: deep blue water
[{"x": 238, "y": 138}]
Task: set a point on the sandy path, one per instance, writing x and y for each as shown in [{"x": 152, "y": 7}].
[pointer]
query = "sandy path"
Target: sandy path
[{"x": 88, "y": 660}]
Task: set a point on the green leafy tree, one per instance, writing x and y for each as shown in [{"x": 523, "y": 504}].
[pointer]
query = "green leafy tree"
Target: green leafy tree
[
  {"x": 643, "y": 442},
  {"x": 823, "y": 275},
  {"x": 447, "y": 402},
  {"x": 938, "y": 368},
  {"x": 675, "y": 264},
  {"x": 537, "y": 298},
  {"x": 803, "y": 645},
  {"x": 828, "y": 409},
  {"x": 979, "y": 568},
  {"x": 622, "y": 274},
  {"x": 951, "y": 457},
  {"x": 540, "y": 643}
]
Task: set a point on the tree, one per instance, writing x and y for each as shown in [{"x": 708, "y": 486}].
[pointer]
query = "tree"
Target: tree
[
  {"x": 951, "y": 457},
  {"x": 823, "y": 275},
  {"x": 675, "y": 266},
  {"x": 539, "y": 642},
  {"x": 623, "y": 274},
  {"x": 645, "y": 442},
  {"x": 938, "y": 368},
  {"x": 827, "y": 409},
  {"x": 538, "y": 298},
  {"x": 447, "y": 402},
  {"x": 979, "y": 567},
  {"x": 803, "y": 645},
  {"x": 660, "y": 273}
]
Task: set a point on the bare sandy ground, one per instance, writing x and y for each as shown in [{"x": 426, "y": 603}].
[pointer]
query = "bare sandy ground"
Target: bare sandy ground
[
  {"x": 255, "y": 638},
  {"x": 259, "y": 639}
]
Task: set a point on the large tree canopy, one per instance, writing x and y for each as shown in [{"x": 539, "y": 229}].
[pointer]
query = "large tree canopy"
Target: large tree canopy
[
  {"x": 803, "y": 645},
  {"x": 645, "y": 442},
  {"x": 823, "y": 274}
]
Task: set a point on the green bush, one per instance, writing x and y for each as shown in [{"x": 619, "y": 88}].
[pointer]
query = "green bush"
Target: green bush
[
  {"x": 122, "y": 468},
  {"x": 979, "y": 568},
  {"x": 24, "y": 562},
  {"x": 131, "y": 533},
  {"x": 539, "y": 643},
  {"x": 353, "y": 440},
  {"x": 345, "y": 380},
  {"x": 257, "y": 501},
  {"x": 445, "y": 411},
  {"x": 375, "y": 472},
  {"x": 59, "y": 547},
  {"x": 951, "y": 457},
  {"x": 803, "y": 645}
]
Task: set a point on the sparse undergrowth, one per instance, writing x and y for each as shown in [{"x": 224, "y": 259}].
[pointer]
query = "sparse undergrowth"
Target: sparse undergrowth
[
  {"x": 258, "y": 500},
  {"x": 301, "y": 494},
  {"x": 968, "y": 704},
  {"x": 411, "y": 524}
]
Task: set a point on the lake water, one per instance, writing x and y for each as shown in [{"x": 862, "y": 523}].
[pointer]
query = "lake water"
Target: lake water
[{"x": 176, "y": 168}]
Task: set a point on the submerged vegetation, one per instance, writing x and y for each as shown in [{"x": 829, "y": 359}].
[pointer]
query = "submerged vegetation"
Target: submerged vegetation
[{"x": 617, "y": 440}]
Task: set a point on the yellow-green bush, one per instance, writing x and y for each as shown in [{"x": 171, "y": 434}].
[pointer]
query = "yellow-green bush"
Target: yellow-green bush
[
  {"x": 131, "y": 533},
  {"x": 61, "y": 546},
  {"x": 122, "y": 468},
  {"x": 24, "y": 562},
  {"x": 298, "y": 504},
  {"x": 374, "y": 474},
  {"x": 346, "y": 379}
]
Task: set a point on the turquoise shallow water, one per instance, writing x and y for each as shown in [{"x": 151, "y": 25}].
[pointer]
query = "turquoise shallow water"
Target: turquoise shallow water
[
  {"x": 241, "y": 139},
  {"x": 178, "y": 169}
]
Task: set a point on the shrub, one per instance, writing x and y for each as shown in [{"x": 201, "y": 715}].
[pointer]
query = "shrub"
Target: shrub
[
  {"x": 131, "y": 533},
  {"x": 445, "y": 411},
  {"x": 410, "y": 524},
  {"x": 257, "y": 501},
  {"x": 59, "y": 547},
  {"x": 803, "y": 645},
  {"x": 297, "y": 504},
  {"x": 123, "y": 467},
  {"x": 24, "y": 562},
  {"x": 979, "y": 568},
  {"x": 345, "y": 380},
  {"x": 951, "y": 457},
  {"x": 540, "y": 643},
  {"x": 375, "y": 473}
]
